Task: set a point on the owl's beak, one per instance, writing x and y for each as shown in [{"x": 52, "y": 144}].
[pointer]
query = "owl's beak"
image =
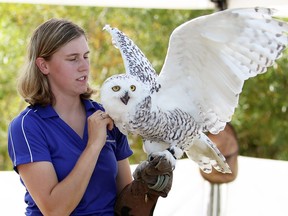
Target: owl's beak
[{"x": 125, "y": 98}]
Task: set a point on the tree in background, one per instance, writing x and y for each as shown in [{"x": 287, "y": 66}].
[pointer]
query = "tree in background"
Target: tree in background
[{"x": 261, "y": 118}]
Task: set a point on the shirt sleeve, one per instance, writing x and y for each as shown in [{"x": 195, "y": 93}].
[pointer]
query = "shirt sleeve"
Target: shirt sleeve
[
  {"x": 123, "y": 149},
  {"x": 26, "y": 141}
]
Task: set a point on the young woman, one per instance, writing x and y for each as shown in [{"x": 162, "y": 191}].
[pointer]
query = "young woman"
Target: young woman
[{"x": 69, "y": 156}]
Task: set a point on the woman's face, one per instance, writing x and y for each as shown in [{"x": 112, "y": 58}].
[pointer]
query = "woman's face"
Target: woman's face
[{"x": 68, "y": 69}]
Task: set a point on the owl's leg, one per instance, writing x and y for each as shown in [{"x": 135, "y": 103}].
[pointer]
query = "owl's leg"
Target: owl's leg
[
  {"x": 175, "y": 151},
  {"x": 152, "y": 146},
  {"x": 161, "y": 149},
  {"x": 166, "y": 154}
]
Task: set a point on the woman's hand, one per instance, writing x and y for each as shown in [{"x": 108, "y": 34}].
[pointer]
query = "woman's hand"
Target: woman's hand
[{"x": 98, "y": 123}]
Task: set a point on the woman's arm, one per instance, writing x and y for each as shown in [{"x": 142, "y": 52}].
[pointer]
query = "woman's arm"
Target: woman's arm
[
  {"x": 53, "y": 197},
  {"x": 124, "y": 176},
  {"x": 61, "y": 198}
]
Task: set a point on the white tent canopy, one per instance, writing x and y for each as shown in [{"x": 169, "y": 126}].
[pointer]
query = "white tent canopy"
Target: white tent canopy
[{"x": 280, "y": 5}]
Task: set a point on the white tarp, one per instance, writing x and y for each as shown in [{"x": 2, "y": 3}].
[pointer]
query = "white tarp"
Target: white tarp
[{"x": 260, "y": 189}]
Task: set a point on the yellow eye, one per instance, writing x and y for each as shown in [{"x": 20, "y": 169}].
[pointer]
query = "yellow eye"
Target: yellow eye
[
  {"x": 133, "y": 87},
  {"x": 116, "y": 88}
]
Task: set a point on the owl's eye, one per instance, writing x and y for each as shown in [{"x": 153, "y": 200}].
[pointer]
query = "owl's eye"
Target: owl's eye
[
  {"x": 116, "y": 88},
  {"x": 133, "y": 88}
]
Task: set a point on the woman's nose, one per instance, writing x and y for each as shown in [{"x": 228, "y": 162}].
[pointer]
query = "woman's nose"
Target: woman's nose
[{"x": 84, "y": 64}]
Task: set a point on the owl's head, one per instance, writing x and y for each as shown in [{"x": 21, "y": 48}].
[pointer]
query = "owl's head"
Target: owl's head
[{"x": 121, "y": 93}]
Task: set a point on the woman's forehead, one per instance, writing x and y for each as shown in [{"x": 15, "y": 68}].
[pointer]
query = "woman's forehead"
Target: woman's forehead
[{"x": 76, "y": 46}]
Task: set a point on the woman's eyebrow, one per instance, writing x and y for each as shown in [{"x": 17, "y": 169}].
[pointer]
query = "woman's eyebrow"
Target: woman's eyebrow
[{"x": 76, "y": 54}]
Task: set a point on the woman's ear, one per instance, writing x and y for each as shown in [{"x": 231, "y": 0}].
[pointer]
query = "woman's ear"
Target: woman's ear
[{"x": 42, "y": 65}]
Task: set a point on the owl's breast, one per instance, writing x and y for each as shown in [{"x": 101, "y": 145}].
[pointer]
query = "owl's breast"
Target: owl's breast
[{"x": 164, "y": 126}]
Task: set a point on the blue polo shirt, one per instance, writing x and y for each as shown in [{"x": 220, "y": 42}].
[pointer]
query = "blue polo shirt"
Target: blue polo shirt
[{"x": 39, "y": 134}]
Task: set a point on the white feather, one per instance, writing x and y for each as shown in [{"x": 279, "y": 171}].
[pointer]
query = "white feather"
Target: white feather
[
  {"x": 207, "y": 62},
  {"x": 222, "y": 50}
]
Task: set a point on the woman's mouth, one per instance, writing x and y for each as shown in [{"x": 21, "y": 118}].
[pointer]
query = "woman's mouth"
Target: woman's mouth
[{"x": 82, "y": 78}]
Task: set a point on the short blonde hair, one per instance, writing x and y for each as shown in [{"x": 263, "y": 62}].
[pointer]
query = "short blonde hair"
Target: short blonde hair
[{"x": 47, "y": 39}]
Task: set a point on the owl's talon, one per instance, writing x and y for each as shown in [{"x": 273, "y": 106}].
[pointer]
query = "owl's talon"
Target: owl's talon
[{"x": 161, "y": 156}]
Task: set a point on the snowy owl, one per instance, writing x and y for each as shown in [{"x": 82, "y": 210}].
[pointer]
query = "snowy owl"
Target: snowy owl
[{"x": 197, "y": 90}]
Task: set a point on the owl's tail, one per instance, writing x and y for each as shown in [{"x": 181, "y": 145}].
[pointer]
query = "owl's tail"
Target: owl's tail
[{"x": 205, "y": 153}]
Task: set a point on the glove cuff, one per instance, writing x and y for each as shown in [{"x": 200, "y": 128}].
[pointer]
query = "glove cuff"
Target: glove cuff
[{"x": 135, "y": 200}]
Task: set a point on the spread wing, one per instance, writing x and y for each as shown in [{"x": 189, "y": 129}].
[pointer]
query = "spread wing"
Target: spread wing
[
  {"x": 210, "y": 57},
  {"x": 135, "y": 62}
]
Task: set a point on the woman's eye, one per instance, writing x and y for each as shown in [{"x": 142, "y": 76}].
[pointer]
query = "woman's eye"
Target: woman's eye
[
  {"x": 133, "y": 87},
  {"x": 73, "y": 59},
  {"x": 116, "y": 88}
]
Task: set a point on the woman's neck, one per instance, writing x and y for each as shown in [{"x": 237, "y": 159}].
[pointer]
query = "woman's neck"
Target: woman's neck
[
  {"x": 73, "y": 113},
  {"x": 67, "y": 106}
]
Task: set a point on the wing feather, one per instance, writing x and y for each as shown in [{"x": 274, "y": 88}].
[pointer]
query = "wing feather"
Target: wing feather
[
  {"x": 135, "y": 62},
  {"x": 210, "y": 57}
]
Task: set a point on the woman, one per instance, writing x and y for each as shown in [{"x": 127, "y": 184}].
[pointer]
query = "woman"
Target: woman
[{"x": 68, "y": 161}]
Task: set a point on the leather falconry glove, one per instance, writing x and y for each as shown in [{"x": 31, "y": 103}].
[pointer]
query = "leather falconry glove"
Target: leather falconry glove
[{"x": 152, "y": 179}]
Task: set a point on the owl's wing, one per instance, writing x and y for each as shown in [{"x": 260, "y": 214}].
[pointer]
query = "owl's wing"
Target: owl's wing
[
  {"x": 135, "y": 62},
  {"x": 210, "y": 57},
  {"x": 205, "y": 153}
]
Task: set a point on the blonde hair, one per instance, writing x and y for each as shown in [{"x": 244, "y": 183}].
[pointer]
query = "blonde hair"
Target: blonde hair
[{"x": 47, "y": 39}]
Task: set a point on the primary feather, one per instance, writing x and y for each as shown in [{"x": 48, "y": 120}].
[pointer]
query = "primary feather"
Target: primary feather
[{"x": 207, "y": 62}]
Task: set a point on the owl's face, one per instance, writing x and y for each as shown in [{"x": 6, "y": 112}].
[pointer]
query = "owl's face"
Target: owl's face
[{"x": 121, "y": 93}]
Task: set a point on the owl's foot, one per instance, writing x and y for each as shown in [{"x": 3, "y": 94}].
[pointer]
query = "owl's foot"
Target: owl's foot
[{"x": 158, "y": 156}]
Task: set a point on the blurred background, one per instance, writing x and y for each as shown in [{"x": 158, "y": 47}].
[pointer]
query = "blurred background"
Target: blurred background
[{"x": 261, "y": 120}]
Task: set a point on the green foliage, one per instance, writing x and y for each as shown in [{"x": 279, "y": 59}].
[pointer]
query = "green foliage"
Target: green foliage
[{"x": 260, "y": 120}]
